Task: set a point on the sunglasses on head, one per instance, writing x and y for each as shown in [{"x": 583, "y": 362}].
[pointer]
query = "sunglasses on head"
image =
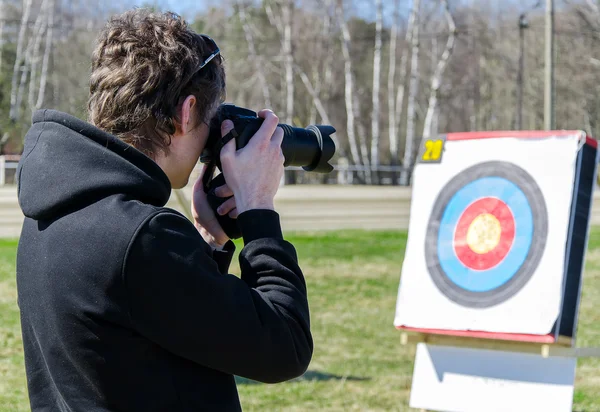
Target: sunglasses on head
[{"x": 214, "y": 51}]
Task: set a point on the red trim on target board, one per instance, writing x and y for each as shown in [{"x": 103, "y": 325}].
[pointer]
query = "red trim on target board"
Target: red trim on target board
[
  {"x": 484, "y": 335},
  {"x": 521, "y": 134}
]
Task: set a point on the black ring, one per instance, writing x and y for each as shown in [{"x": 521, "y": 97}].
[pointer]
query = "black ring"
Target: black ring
[{"x": 534, "y": 196}]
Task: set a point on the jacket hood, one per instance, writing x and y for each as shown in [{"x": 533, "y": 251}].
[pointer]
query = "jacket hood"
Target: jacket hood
[{"x": 68, "y": 164}]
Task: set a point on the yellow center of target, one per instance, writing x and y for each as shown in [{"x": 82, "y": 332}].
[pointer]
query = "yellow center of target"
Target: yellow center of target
[{"x": 484, "y": 233}]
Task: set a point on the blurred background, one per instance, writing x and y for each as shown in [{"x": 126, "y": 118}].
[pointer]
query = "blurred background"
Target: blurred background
[{"x": 385, "y": 73}]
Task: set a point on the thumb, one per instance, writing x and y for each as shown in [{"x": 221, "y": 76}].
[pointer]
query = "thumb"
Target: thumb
[
  {"x": 198, "y": 183},
  {"x": 226, "y": 127}
]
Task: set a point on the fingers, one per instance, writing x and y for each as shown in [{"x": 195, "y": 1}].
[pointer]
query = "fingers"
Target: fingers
[
  {"x": 266, "y": 130},
  {"x": 263, "y": 113},
  {"x": 228, "y": 151},
  {"x": 223, "y": 191},
  {"x": 226, "y": 207},
  {"x": 277, "y": 136},
  {"x": 277, "y": 140},
  {"x": 198, "y": 182},
  {"x": 226, "y": 127}
]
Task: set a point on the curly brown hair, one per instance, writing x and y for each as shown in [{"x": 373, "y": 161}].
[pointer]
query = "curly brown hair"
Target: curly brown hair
[{"x": 141, "y": 69}]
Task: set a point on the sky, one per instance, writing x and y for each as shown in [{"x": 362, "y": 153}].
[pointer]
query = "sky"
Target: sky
[
  {"x": 188, "y": 8},
  {"x": 363, "y": 8}
]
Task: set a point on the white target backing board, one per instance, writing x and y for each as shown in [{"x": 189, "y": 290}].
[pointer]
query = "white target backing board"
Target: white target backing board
[{"x": 497, "y": 235}]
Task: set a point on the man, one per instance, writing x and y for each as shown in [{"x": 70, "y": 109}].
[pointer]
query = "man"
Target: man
[{"x": 126, "y": 305}]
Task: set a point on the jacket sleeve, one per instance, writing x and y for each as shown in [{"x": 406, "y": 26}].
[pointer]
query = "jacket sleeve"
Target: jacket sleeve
[
  {"x": 223, "y": 257},
  {"x": 256, "y": 327}
]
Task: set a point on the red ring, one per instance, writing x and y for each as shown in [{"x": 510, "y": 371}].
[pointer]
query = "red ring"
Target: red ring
[{"x": 500, "y": 210}]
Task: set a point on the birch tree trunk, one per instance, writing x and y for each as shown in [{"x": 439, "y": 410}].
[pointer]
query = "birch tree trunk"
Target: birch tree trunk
[
  {"x": 403, "y": 69},
  {"x": 322, "y": 72},
  {"x": 470, "y": 44},
  {"x": 349, "y": 86},
  {"x": 31, "y": 58},
  {"x": 412, "y": 95},
  {"x": 362, "y": 140},
  {"x": 319, "y": 106},
  {"x": 329, "y": 58},
  {"x": 46, "y": 61},
  {"x": 275, "y": 22},
  {"x": 288, "y": 58},
  {"x": 315, "y": 96},
  {"x": 254, "y": 55},
  {"x": 393, "y": 137},
  {"x": 2, "y": 19},
  {"x": 284, "y": 28},
  {"x": 34, "y": 55},
  {"x": 436, "y": 79},
  {"x": 287, "y": 13},
  {"x": 13, "y": 113},
  {"x": 376, "y": 112}
]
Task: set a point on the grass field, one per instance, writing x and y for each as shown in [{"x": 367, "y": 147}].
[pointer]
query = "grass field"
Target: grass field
[{"x": 358, "y": 362}]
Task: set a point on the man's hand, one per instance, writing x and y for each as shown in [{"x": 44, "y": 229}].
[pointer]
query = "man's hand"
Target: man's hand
[
  {"x": 204, "y": 217},
  {"x": 254, "y": 172}
]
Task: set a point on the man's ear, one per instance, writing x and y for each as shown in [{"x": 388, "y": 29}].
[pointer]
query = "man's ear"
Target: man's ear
[{"x": 187, "y": 115}]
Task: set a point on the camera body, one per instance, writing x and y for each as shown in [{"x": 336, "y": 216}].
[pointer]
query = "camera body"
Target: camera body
[
  {"x": 310, "y": 148},
  {"x": 245, "y": 124}
]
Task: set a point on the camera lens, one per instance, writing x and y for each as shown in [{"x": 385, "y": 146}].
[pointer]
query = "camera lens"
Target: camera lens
[{"x": 309, "y": 148}]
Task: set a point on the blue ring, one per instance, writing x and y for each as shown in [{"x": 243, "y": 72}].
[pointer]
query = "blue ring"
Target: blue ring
[{"x": 486, "y": 280}]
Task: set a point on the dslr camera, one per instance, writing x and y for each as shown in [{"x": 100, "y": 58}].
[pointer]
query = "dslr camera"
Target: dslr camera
[{"x": 310, "y": 148}]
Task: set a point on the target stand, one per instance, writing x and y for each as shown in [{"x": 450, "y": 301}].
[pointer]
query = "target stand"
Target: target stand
[{"x": 492, "y": 274}]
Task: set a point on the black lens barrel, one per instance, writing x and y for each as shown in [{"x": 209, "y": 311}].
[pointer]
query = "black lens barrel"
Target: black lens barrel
[{"x": 309, "y": 148}]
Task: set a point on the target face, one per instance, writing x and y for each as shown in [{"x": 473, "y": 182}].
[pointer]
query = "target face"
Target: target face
[{"x": 486, "y": 234}]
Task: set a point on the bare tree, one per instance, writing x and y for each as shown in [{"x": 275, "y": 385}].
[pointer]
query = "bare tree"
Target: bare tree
[
  {"x": 318, "y": 105},
  {"x": 393, "y": 137},
  {"x": 2, "y": 23},
  {"x": 323, "y": 83},
  {"x": 352, "y": 102},
  {"x": 257, "y": 60},
  {"x": 287, "y": 13},
  {"x": 14, "y": 110},
  {"x": 375, "y": 113},
  {"x": 412, "y": 96},
  {"x": 362, "y": 138},
  {"x": 32, "y": 57},
  {"x": 284, "y": 29},
  {"x": 313, "y": 93},
  {"x": 349, "y": 85},
  {"x": 589, "y": 12},
  {"x": 275, "y": 22},
  {"x": 47, "y": 51},
  {"x": 436, "y": 79},
  {"x": 402, "y": 86}
]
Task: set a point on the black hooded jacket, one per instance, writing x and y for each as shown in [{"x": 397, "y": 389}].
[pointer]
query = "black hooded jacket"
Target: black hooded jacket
[{"x": 124, "y": 307}]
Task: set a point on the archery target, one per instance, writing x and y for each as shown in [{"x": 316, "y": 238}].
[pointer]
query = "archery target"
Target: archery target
[
  {"x": 486, "y": 234},
  {"x": 489, "y": 226}
]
